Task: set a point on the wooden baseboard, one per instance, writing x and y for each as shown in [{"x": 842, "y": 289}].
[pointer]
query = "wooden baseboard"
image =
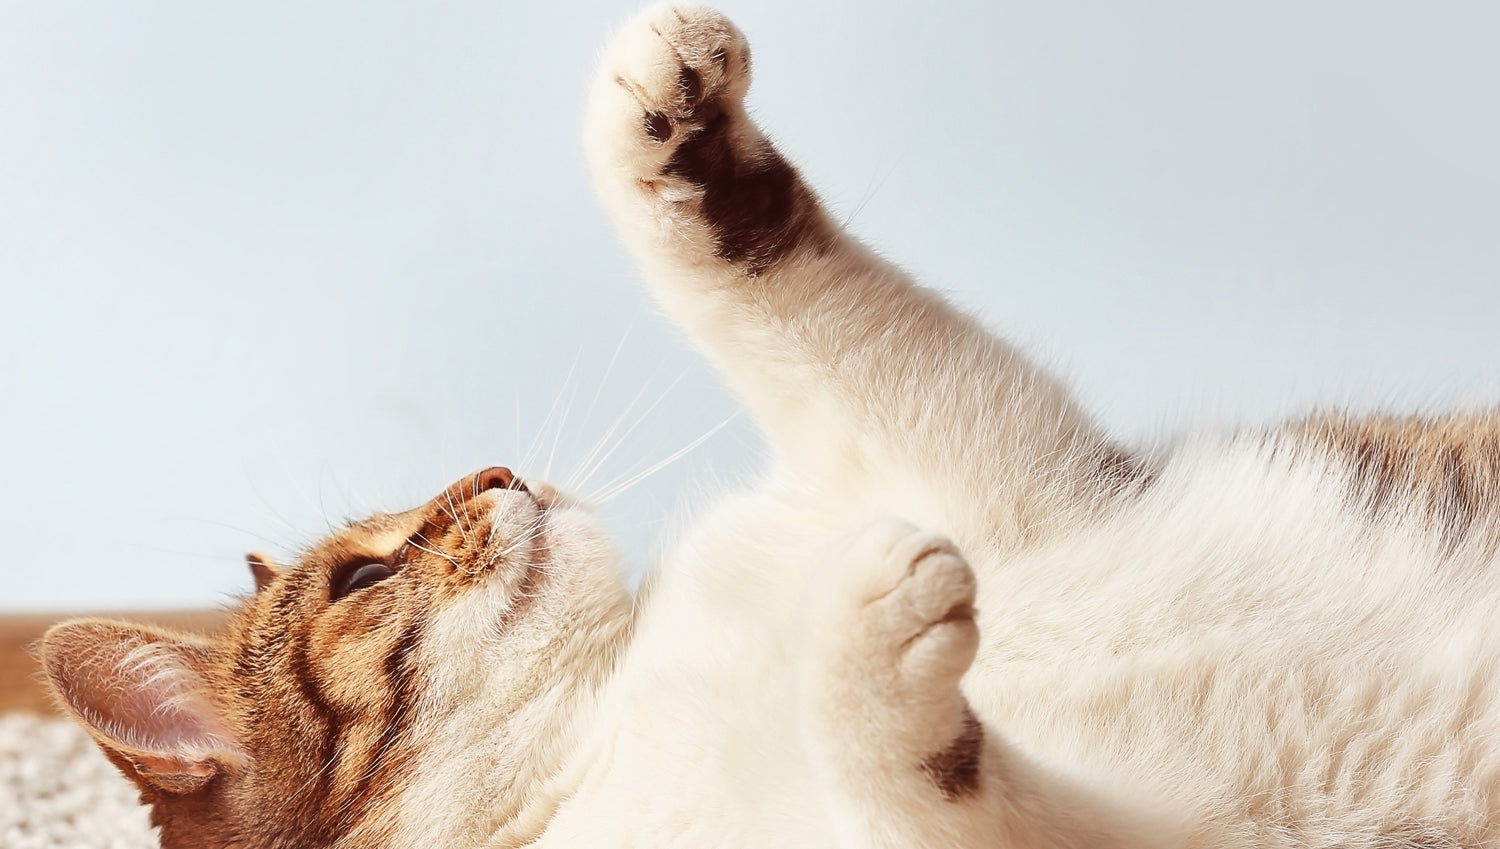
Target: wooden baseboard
[{"x": 20, "y": 675}]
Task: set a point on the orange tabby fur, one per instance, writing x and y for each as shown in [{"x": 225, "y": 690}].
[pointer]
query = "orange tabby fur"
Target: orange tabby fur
[{"x": 317, "y": 696}]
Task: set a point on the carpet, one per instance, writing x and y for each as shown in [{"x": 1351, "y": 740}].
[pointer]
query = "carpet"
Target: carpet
[{"x": 58, "y": 792}]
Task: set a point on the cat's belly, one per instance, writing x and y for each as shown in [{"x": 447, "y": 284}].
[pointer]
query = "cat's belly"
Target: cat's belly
[{"x": 1262, "y": 653}]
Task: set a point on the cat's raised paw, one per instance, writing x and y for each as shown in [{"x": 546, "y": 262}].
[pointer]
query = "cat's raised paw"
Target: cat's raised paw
[
  {"x": 678, "y": 69},
  {"x": 673, "y": 151}
]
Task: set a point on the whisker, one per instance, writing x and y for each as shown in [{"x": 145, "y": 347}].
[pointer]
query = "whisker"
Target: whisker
[
  {"x": 567, "y": 383},
  {"x": 604, "y": 378},
  {"x": 434, "y": 550},
  {"x": 641, "y": 419},
  {"x": 516, "y": 453},
  {"x": 271, "y": 541},
  {"x": 590, "y": 463},
  {"x": 617, "y": 489},
  {"x": 321, "y": 771},
  {"x": 387, "y": 742},
  {"x": 452, "y": 512},
  {"x": 535, "y": 530},
  {"x": 557, "y": 434},
  {"x": 524, "y": 538},
  {"x": 467, "y": 525}
]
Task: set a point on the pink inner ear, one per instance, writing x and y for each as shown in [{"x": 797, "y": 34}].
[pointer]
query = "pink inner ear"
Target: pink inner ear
[{"x": 141, "y": 692}]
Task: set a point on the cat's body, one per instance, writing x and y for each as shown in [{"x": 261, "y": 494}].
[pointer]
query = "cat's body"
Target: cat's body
[{"x": 1277, "y": 639}]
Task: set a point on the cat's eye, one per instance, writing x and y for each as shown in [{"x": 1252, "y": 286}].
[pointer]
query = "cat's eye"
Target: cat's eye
[{"x": 358, "y": 577}]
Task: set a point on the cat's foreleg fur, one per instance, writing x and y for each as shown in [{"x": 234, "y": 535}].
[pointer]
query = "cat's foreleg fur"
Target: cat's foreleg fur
[
  {"x": 902, "y": 758},
  {"x": 855, "y": 373}
]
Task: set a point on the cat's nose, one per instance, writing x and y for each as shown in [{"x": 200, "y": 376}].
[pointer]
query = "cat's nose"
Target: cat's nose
[{"x": 497, "y": 477}]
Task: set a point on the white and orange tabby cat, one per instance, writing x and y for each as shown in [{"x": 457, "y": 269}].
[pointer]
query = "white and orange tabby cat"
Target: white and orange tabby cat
[{"x": 952, "y": 614}]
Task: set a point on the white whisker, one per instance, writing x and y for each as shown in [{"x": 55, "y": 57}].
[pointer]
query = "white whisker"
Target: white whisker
[
  {"x": 615, "y": 490},
  {"x": 645, "y": 414},
  {"x": 562, "y": 390},
  {"x": 525, "y": 538},
  {"x": 604, "y": 378},
  {"x": 434, "y": 551},
  {"x": 452, "y": 513},
  {"x": 587, "y": 466}
]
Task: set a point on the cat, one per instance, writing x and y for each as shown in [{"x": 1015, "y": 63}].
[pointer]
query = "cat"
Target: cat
[{"x": 952, "y": 613}]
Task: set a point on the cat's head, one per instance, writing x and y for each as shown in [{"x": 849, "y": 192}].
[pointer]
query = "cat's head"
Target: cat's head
[{"x": 407, "y": 663}]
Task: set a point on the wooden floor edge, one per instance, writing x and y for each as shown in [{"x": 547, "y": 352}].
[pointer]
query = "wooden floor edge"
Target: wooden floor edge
[{"x": 20, "y": 676}]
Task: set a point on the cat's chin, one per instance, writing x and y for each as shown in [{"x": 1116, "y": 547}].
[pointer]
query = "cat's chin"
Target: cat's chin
[{"x": 582, "y": 558}]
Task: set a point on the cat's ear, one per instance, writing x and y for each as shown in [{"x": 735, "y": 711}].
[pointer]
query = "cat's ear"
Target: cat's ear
[
  {"x": 143, "y": 694},
  {"x": 263, "y": 568}
]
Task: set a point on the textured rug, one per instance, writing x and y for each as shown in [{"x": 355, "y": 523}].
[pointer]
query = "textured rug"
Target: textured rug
[{"x": 57, "y": 791}]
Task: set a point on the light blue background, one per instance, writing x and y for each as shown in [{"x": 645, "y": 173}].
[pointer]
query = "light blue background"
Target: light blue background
[{"x": 268, "y": 266}]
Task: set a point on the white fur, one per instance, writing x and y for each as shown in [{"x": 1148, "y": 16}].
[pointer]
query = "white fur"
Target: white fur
[{"x": 1237, "y": 656}]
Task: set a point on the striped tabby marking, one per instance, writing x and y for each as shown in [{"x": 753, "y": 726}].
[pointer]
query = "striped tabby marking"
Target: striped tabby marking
[{"x": 1449, "y": 466}]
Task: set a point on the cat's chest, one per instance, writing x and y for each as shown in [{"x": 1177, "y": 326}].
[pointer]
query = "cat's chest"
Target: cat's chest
[{"x": 702, "y": 724}]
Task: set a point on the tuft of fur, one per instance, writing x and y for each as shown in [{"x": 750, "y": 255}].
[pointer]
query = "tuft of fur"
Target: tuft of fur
[{"x": 953, "y": 613}]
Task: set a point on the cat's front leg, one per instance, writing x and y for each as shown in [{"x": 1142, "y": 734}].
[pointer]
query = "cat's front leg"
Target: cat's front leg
[
  {"x": 903, "y": 758},
  {"x": 855, "y": 373}
]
